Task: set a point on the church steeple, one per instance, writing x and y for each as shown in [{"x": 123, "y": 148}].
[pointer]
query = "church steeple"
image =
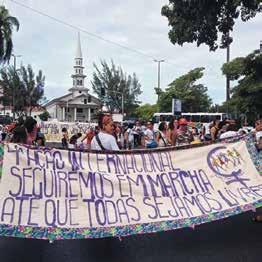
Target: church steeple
[
  {"x": 78, "y": 50},
  {"x": 78, "y": 75}
]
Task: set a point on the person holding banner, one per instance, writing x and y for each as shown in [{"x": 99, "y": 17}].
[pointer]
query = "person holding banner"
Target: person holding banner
[
  {"x": 183, "y": 135},
  {"x": 171, "y": 132},
  {"x": 30, "y": 125},
  {"x": 65, "y": 138},
  {"x": 19, "y": 135},
  {"x": 161, "y": 137},
  {"x": 105, "y": 140},
  {"x": 150, "y": 141},
  {"x": 88, "y": 138}
]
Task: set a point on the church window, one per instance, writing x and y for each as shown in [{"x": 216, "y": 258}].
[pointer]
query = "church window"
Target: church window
[
  {"x": 85, "y": 101},
  {"x": 92, "y": 110},
  {"x": 79, "y": 92},
  {"x": 80, "y": 82},
  {"x": 79, "y": 110},
  {"x": 89, "y": 99}
]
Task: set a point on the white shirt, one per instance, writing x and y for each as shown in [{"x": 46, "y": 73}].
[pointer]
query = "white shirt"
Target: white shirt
[
  {"x": 130, "y": 134},
  {"x": 228, "y": 134},
  {"x": 136, "y": 130},
  {"x": 107, "y": 141},
  {"x": 150, "y": 136}
]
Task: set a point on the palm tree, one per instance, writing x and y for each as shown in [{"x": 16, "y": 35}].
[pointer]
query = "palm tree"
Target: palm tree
[{"x": 7, "y": 24}]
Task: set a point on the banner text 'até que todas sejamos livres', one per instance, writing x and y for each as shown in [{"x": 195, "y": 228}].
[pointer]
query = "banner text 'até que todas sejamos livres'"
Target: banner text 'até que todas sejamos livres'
[{"x": 59, "y": 194}]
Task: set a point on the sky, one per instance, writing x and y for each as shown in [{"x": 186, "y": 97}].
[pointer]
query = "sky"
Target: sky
[{"x": 137, "y": 24}]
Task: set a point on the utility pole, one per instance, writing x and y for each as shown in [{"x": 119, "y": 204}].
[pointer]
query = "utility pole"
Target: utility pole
[
  {"x": 123, "y": 104},
  {"x": 13, "y": 93},
  {"x": 158, "y": 75},
  {"x": 260, "y": 47},
  {"x": 227, "y": 78}
]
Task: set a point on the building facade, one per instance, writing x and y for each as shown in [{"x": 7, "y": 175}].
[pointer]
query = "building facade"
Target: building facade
[{"x": 78, "y": 104}]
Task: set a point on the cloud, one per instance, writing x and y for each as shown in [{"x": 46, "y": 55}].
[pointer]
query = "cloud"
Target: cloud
[{"x": 50, "y": 46}]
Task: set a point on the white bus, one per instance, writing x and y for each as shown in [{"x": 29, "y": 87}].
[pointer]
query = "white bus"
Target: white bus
[{"x": 193, "y": 118}]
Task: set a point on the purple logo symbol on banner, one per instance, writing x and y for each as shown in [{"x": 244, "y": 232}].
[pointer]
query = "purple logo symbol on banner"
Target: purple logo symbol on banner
[{"x": 225, "y": 163}]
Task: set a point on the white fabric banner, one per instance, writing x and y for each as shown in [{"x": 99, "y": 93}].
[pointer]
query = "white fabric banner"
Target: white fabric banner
[
  {"x": 53, "y": 129},
  {"x": 68, "y": 189}
]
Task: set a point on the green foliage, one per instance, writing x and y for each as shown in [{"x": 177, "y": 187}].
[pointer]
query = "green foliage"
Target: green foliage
[
  {"x": 202, "y": 21},
  {"x": 234, "y": 69},
  {"x": 33, "y": 86},
  {"x": 194, "y": 96},
  {"x": 114, "y": 82},
  {"x": 247, "y": 94},
  {"x": 7, "y": 25},
  {"x": 146, "y": 111},
  {"x": 21, "y": 88},
  {"x": 44, "y": 116}
]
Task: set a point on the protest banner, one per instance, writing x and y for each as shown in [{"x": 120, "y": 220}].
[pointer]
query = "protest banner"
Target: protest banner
[
  {"x": 59, "y": 194},
  {"x": 53, "y": 129}
]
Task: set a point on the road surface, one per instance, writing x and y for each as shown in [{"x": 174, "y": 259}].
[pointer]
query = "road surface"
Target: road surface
[{"x": 235, "y": 239}]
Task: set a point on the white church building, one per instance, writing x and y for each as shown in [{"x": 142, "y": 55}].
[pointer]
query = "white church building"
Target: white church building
[{"x": 78, "y": 104}]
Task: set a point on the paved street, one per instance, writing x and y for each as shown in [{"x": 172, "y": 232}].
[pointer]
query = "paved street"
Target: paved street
[{"x": 235, "y": 239}]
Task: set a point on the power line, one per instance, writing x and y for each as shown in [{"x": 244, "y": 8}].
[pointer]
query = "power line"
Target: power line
[
  {"x": 82, "y": 30},
  {"x": 169, "y": 62}
]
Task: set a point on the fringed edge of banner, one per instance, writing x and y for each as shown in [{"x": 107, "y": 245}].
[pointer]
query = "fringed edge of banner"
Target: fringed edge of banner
[{"x": 55, "y": 233}]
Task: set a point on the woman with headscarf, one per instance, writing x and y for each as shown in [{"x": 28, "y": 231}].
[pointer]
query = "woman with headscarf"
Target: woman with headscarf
[{"x": 105, "y": 140}]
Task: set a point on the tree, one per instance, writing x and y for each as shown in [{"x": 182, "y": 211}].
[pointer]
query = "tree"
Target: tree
[
  {"x": 21, "y": 89},
  {"x": 7, "y": 25},
  {"x": 111, "y": 82},
  {"x": 146, "y": 111},
  {"x": 44, "y": 116},
  {"x": 194, "y": 96},
  {"x": 202, "y": 21},
  {"x": 32, "y": 87},
  {"x": 247, "y": 94},
  {"x": 12, "y": 89}
]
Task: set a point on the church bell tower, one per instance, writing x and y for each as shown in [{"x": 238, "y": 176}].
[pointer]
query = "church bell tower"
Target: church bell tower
[{"x": 78, "y": 75}]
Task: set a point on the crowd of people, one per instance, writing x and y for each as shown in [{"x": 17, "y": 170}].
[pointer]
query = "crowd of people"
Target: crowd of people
[
  {"x": 23, "y": 131},
  {"x": 109, "y": 135}
]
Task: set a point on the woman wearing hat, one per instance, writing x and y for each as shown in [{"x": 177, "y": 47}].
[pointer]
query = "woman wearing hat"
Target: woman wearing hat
[{"x": 183, "y": 135}]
